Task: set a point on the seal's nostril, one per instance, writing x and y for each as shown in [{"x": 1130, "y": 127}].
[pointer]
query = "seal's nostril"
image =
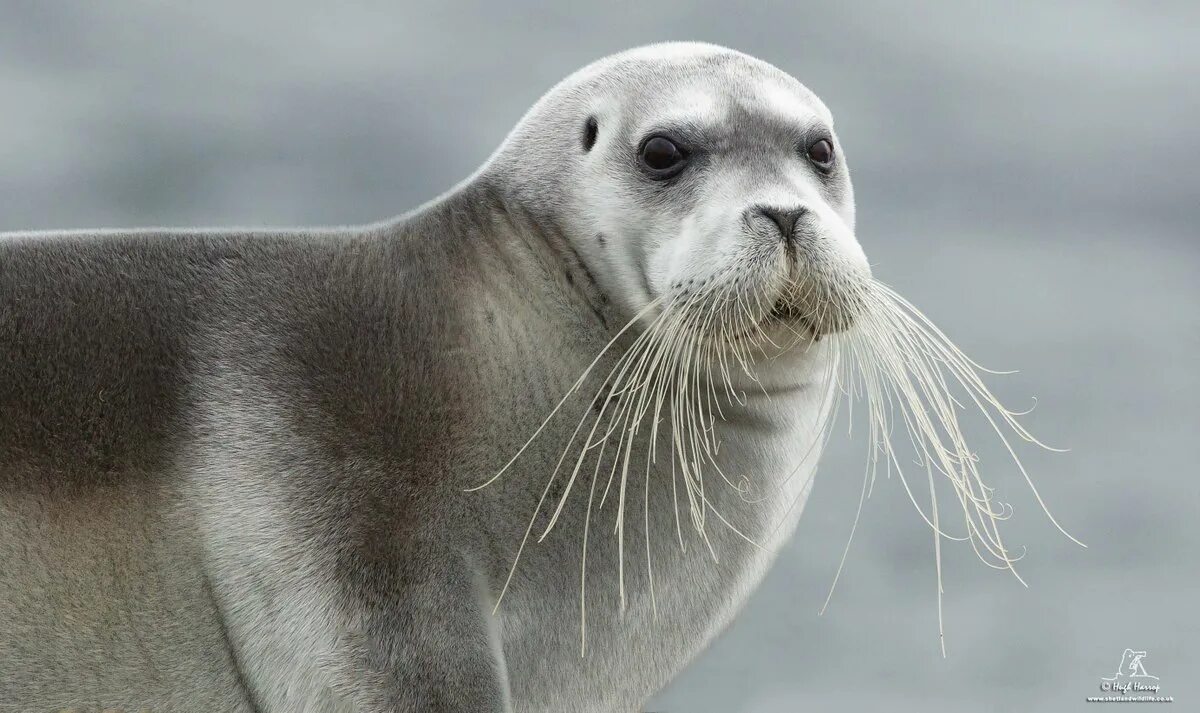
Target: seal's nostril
[{"x": 784, "y": 218}]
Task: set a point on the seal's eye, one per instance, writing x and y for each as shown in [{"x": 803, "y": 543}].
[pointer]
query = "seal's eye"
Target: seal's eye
[
  {"x": 662, "y": 157},
  {"x": 821, "y": 153}
]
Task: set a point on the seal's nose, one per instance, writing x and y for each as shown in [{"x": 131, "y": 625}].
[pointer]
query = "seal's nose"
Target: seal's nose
[{"x": 784, "y": 218}]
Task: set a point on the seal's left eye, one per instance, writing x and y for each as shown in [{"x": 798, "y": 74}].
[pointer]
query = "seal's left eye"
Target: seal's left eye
[
  {"x": 662, "y": 157},
  {"x": 821, "y": 153}
]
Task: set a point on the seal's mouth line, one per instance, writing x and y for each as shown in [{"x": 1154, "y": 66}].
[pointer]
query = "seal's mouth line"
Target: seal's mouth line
[
  {"x": 772, "y": 319},
  {"x": 785, "y": 312}
]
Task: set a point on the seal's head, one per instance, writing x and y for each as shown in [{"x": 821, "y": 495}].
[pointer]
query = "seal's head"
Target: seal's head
[{"x": 690, "y": 174}]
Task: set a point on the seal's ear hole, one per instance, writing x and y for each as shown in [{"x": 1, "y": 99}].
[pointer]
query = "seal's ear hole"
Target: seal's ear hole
[{"x": 589, "y": 133}]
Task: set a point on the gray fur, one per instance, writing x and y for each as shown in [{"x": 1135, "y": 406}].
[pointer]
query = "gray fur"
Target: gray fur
[{"x": 233, "y": 463}]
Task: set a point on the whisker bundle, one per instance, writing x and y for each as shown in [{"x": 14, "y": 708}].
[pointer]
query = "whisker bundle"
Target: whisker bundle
[{"x": 899, "y": 361}]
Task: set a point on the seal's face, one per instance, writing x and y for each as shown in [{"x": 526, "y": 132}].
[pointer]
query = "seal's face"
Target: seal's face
[{"x": 702, "y": 171}]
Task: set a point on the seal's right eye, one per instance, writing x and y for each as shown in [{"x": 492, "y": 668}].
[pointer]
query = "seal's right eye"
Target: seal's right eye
[
  {"x": 821, "y": 154},
  {"x": 662, "y": 158}
]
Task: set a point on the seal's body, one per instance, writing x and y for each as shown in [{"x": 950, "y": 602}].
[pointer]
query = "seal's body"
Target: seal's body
[{"x": 233, "y": 465}]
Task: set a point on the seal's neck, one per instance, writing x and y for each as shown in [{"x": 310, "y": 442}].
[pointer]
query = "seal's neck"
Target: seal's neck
[{"x": 519, "y": 260}]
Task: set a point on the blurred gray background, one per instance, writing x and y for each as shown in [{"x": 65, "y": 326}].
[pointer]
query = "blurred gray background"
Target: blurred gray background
[{"x": 1027, "y": 175}]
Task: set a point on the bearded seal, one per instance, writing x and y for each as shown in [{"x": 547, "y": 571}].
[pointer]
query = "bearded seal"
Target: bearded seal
[{"x": 244, "y": 470}]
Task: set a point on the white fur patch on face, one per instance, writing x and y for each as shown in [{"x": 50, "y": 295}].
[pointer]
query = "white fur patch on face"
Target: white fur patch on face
[
  {"x": 786, "y": 101},
  {"x": 695, "y": 105},
  {"x": 718, "y": 239}
]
